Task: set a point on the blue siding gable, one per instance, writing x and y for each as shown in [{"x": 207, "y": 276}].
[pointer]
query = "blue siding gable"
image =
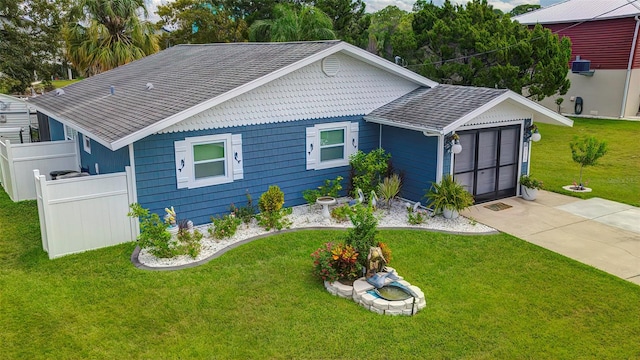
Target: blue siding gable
[
  {"x": 414, "y": 156},
  {"x": 108, "y": 161},
  {"x": 56, "y": 129},
  {"x": 273, "y": 154}
]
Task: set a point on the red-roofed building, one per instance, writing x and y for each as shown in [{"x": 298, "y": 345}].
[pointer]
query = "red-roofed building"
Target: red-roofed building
[{"x": 605, "y": 61}]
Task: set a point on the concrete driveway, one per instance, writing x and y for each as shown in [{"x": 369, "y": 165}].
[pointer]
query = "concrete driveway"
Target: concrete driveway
[{"x": 601, "y": 233}]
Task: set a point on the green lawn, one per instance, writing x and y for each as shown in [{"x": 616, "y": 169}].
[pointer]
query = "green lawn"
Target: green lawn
[
  {"x": 617, "y": 177},
  {"x": 62, "y": 83},
  {"x": 488, "y": 297}
]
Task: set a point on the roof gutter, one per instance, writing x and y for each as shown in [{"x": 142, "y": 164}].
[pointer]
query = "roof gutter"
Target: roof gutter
[
  {"x": 425, "y": 131},
  {"x": 629, "y": 65}
]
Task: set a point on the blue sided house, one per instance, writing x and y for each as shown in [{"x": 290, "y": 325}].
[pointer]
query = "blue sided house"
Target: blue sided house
[{"x": 200, "y": 125}]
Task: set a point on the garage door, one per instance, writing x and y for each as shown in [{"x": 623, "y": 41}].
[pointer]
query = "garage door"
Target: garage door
[{"x": 488, "y": 163}]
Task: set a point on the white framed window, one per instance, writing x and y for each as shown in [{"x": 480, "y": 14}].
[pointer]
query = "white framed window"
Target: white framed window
[
  {"x": 70, "y": 133},
  {"x": 208, "y": 160},
  {"x": 86, "y": 143},
  {"x": 330, "y": 145}
]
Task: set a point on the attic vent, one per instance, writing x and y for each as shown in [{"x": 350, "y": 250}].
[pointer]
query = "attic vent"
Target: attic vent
[
  {"x": 59, "y": 92},
  {"x": 149, "y": 86},
  {"x": 330, "y": 65}
]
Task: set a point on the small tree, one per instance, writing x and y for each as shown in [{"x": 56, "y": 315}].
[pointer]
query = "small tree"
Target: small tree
[{"x": 586, "y": 152}]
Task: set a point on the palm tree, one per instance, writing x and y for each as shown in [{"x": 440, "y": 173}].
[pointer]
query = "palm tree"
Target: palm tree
[
  {"x": 109, "y": 33},
  {"x": 309, "y": 23}
]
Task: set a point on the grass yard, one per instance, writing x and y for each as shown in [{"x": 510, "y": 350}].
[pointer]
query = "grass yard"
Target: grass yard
[
  {"x": 488, "y": 297},
  {"x": 616, "y": 177},
  {"x": 62, "y": 83}
]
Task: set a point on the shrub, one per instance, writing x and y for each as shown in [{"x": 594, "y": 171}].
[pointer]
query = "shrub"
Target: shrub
[
  {"x": 363, "y": 234},
  {"x": 271, "y": 200},
  {"x": 341, "y": 213},
  {"x": 272, "y": 215},
  {"x": 329, "y": 188},
  {"x": 333, "y": 262},
  {"x": 389, "y": 188},
  {"x": 246, "y": 212},
  {"x": 155, "y": 237},
  {"x": 530, "y": 182},
  {"x": 367, "y": 170},
  {"x": 224, "y": 227},
  {"x": 448, "y": 194},
  {"x": 416, "y": 217},
  {"x": 189, "y": 242},
  {"x": 153, "y": 232}
]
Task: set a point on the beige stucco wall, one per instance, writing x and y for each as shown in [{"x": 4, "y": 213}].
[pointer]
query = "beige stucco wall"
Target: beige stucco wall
[{"x": 601, "y": 94}]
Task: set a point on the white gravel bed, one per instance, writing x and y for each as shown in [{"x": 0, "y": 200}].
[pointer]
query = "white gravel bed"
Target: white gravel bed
[{"x": 306, "y": 216}]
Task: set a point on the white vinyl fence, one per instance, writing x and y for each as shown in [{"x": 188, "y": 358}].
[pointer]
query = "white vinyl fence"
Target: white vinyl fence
[
  {"x": 84, "y": 213},
  {"x": 17, "y": 162}
]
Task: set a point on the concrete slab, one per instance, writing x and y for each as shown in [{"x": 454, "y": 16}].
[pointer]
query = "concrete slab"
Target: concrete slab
[
  {"x": 628, "y": 220},
  {"x": 597, "y": 232},
  {"x": 594, "y": 208}
]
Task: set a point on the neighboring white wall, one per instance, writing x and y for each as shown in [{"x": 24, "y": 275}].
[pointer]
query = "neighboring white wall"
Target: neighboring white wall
[
  {"x": 633, "y": 98},
  {"x": 17, "y": 162},
  {"x": 601, "y": 94},
  {"x": 14, "y": 115},
  {"x": 308, "y": 93},
  {"x": 84, "y": 213}
]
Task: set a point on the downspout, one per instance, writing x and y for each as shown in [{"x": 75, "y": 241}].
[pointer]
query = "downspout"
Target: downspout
[{"x": 629, "y": 65}]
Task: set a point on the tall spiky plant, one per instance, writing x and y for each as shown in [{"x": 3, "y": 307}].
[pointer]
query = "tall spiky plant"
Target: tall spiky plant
[{"x": 290, "y": 24}]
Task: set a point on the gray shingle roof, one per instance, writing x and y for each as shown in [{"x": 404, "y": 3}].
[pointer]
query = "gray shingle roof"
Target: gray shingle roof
[
  {"x": 433, "y": 109},
  {"x": 182, "y": 76}
]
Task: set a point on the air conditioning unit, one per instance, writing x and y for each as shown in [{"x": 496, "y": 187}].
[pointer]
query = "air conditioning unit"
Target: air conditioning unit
[{"x": 582, "y": 67}]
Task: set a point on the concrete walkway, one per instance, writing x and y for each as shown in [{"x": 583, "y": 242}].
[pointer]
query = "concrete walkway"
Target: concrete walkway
[{"x": 601, "y": 233}]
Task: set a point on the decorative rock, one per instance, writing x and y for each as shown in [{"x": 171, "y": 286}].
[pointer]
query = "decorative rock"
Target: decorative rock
[
  {"x": 395, "y": 305},
  {"x": 360, "y": 293},
  {"x": 368, "y": 299},
  {"x": 381, "y": 304}
]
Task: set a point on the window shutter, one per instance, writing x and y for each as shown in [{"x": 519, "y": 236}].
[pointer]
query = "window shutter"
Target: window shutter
[
  {"x": 312, "y": 148},
  {"x": 182, "y": 168},
  {"x": 236, "y": 150},
  {"x": 353, "y": 135}
]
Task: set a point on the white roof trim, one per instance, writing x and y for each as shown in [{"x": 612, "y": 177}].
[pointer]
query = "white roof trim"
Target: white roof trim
[
  {"x": 383, "y": 121},
  {"x": 341, "y": 46},
  {"x": 537, "y": 108}
]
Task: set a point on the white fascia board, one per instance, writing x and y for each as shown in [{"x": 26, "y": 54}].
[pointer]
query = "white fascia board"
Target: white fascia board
[
  {"x": 510, "y": 95},
  {"x": 340, "y": 46},
  {"x": 383, "y": 121},
  {"x": 73, "y": 125},
  {"x": 385, "y": 64}
]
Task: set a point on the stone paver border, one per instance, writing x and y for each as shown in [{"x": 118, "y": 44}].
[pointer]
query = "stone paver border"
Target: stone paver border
[{"x": 360, "y": 293}]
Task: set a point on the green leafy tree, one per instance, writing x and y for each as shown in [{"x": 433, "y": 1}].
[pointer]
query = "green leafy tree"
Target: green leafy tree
[
  {"x": 471, "y": 45},
  {"x": 586, "y": 152},
  {"x": 31, "y": 45},
  {"x": 391, "y": 33},
  {"x": 523, "y": 9},
  {"x": 346, "y": 16},
  {"x": 199, "y": 22},
  {"x": 291, "y": 24},
  {"x": 107, "y": 34}
]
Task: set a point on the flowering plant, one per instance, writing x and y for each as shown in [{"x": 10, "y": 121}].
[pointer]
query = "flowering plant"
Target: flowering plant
[
  {"x": 333, "y": 262},
  {"x": 224, "y": 227}
]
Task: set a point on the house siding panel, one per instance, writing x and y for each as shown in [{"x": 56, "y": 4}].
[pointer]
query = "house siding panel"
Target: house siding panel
[
  {"x": 272, "y": 155},
  {"x": 416, "y": 163},
  {"x": 56, "y": 130},
  {"x": 108, "y": 161},
  {"x": 606, "y": 43}
]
